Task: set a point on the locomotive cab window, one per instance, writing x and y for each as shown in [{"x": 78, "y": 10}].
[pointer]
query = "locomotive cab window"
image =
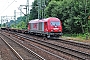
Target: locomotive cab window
[{"x": 55, "y": 23}]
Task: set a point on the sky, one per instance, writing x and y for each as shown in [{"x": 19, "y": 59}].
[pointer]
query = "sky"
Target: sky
[{"x": 7, "y": 7}]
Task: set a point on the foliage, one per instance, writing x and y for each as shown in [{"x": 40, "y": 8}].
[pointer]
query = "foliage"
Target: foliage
[
  {"x": 73, "y": 14},
  {"x": 34, "y": 11},
  {"x": 80, "y": 36},
  {"x": 21, "y": 25}
]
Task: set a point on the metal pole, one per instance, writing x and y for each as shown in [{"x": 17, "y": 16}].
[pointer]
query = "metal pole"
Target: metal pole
[
  {"x": 43, "y": 6},
  {"x": 1, "y": 21},
  {"x": 26, "y": 7},
  {"x": 86, "y": 20},
  {"x": 26, "y": 14},
  {"x": 6, "y": 21},
  {"x": 15, "y": 17},
  {"x": 86, "y": 11},
  {"x": 28, "y": 10},
  {"x": 39, "y": 9}
]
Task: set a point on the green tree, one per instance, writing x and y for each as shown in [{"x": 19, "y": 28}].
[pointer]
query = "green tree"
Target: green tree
[
  {"x": 72, "y": 14},
  {"x": 34, "y": 11}
]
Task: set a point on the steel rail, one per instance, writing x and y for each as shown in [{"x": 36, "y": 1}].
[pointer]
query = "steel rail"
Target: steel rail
[
  {"x": 20, "y": 58},
  {"x": 75, "y": 51},
  {"x": 32, "y": 52}
]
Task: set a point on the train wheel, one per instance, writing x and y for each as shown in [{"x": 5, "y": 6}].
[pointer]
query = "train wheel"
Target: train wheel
[
  {"x": 54, "y": 37},
  {"x": 48, "y": 36}
]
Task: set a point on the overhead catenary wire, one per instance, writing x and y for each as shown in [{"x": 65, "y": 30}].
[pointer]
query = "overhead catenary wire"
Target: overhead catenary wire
[
  {"x": 8, "y": 6},
  {"x": 4, "y": 5}
]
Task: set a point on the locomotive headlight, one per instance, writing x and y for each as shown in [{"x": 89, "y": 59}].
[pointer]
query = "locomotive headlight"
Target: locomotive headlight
[
  {"x": 55, "y": 26},
  {"x": 51, "y": 30},
  {"x": 59, "y": 30}
]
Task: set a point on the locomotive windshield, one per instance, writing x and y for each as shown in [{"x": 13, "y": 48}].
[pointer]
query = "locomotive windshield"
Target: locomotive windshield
[{"x": 55, "y": 23}]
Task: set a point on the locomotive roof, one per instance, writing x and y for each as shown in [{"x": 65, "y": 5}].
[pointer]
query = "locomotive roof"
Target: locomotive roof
[
  {"x": 42, "y": 20},
  {"x": 34, "y": 21}
]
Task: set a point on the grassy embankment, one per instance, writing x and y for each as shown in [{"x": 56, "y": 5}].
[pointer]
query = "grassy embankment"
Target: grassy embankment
[{"x": 78, "y": 37}]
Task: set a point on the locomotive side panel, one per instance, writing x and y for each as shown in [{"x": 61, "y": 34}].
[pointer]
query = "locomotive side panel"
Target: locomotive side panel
[
  {"x": 33, "y": 27},
  {"x": 41, "y": 26},
  {"x": 28, "y": 26},
  {"x": 45, "y": 27}
]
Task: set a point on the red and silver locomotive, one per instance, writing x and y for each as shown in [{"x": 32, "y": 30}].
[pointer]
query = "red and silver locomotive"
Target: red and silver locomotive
[{"x": 50, "y": 27}]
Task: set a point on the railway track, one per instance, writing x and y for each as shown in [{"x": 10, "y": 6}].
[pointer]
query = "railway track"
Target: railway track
[
  {"x": 13, "y": 50},
  {"x": 79, "y": 44},
  {"x": 75, "y": 53},
  {"x": 78, "y": 54},
  {"x": 6, "y": 52},
  {"x": 66, "y": 50},
  {"x": 48, "y": 55},
  {"x": 22, "y": 52}
]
